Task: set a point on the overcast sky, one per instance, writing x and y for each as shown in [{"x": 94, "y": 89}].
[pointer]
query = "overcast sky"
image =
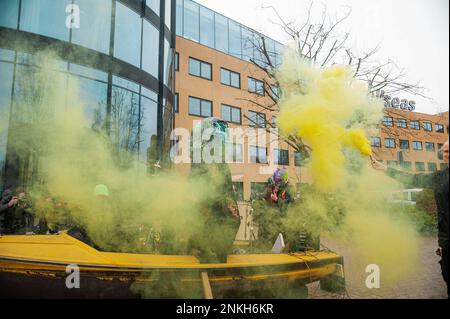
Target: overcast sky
[{"x": 413, "y": 33}]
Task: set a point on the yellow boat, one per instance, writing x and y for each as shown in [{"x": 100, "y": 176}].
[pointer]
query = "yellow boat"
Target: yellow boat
[{"x": 36, "y": 266}]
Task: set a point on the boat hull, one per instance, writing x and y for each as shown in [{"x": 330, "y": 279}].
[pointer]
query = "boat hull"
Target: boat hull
[{"x": 43, "y": 267}]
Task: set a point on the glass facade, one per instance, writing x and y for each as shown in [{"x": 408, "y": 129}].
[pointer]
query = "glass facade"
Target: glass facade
[
  {"x": 127, "y": 35},
  {"x": 95, "y": 25},
  {"x": 9, "y": 12},
  {"x": 125, "y": 100},
  {"x": 199, "y": 24}
]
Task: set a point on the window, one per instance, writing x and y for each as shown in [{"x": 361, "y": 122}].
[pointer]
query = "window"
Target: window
[
  {"x": 406, "y": 166},
  {"x": 247, "y": 44},
  {"x": 415, "y": 125},
  {"x": 401, "y": 123},
  {"x": 281, "y": 157},
  {"x": 417, "y": 145},
  {"x": 392, "y": 163},
  {"x": 427, "y": 126},
  {"x": 238, "y": 188},
  {"x": 258, "y": 190},
  {"x": 6, "y": 81},
  {"x": 258, "y": 154},
  {"x": 230, "y": 78},
  {"x": 443, "y": 166},
  {"x": 167, "y": 13},
  {"x": 221, "y": 29},
  {"x": 200, "y": 68},
  {"x": 127, "y": 36},
  {"x": 95, "y": 25},
  {"x": 276, "y": 92},
  {"x": 439, "y": 128},
  {"x": 45, "y": 17},
  {"x": 298, "y": 161},
  {"x": 432, "y": 167},
  {"x": 256, "y": 119},
  {"x": 154, "y": 5},
  {"x": 231, "y": 114},
  {"x": 206, "y": 27},
  {"x": 177, "y": 61},
  {"x": 234, "y": 153},
  {"x": 148, "y": 129},
  {"x": 255, "y": 86},
  {"x": 375, "y": 142},
  {"x": 179, "y": 19},
  {"x": 125, "y": 121},
  {"x": 150, "y": 49},
  {"x": 200, "y": 107},
  {"x": 191, "y": 21},
  {"x": 389, "y": 143},
  {"x": 274, "y": 121},
  {"x": 440, "y": 153},
  {"x": 235, "y": 39},
  {"x": 9, "y": 11},
  {"x": 388, "y": 121},
  {"x": 429, "y": 146},
  {"x": 176, "y": 102},
  {"x": 420, "y": 166},
  {"x": 404, "y": 144}
]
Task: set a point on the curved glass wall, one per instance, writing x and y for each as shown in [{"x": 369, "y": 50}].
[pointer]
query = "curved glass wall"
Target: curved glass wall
[
  {"x": 202, "y": 25},
  {"x": 120, "y": 62}
]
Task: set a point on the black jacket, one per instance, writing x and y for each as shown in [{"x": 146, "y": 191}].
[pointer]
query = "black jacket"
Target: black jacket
[{"x": 438, "y": 182}]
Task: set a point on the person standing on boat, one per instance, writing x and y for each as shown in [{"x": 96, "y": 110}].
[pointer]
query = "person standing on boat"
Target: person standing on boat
[
  {"x": 437, "y": 181},
  {"x": 7, "y": 202}
]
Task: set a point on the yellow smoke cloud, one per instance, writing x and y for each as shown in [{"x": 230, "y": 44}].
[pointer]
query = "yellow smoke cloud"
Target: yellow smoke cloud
[{"x": 332, "y": 113}]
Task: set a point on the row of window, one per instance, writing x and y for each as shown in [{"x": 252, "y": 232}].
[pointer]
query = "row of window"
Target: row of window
[
  {"x": 258, "y": 155},
  {"x": 132, "y": 118},
  {"x": 405, "y": 144},
  {"x": 136, "y": 40},
  {"x": 204, "y": 108},
  {"x": 414, "y": 125},
  {"x": 202, "y": 25},
  {"x": 203, "y": 70},
  {"x": 419, "y": 166}
]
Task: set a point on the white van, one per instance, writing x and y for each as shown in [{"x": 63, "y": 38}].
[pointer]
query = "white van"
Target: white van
[{"x": 405, "y": 196}]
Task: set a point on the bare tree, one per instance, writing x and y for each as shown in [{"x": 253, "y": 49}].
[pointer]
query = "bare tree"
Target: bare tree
[{"x": 325, "y": 45}]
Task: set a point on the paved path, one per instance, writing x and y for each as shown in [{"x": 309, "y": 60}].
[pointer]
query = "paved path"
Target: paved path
[{"x": 427, "y": 284}]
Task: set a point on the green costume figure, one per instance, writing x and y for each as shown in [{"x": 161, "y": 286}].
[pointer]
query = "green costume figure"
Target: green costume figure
[{"x": 221, "y": 213}]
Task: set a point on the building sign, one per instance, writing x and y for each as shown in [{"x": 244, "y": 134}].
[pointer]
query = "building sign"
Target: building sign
[{"x": 396, "y": 103}]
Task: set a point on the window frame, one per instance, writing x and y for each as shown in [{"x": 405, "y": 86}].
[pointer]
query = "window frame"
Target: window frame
[
  {"x": 249, "y": 78},
  {"x": 201, "y": 62},
  {"x": 436, "y": 128},
  {"x": 403, "y": 121},
  {"x": 414, "y": 126},
  {"x": 391, "y": 121},
  {"x": 400, "y": 144},
  {"x": 430, "y": 143},
  {"x": 277, "y": 156},
  {"x": 414, "y": 143},
  {"x": 390, "y": 139},
  {"x": 258, "y": 157},
  {"x": 230, "y": 72},
  {"x": 372, "y": 138},
  {"x": 201, "y": 108},
  {"x": 424, "y": 127},
  {"x": 256, "y": 125},
  {"x": 231, "y": 107}
]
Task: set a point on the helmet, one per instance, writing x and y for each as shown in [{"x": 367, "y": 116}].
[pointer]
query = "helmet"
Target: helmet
[{"x": 101, "y": 190}]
